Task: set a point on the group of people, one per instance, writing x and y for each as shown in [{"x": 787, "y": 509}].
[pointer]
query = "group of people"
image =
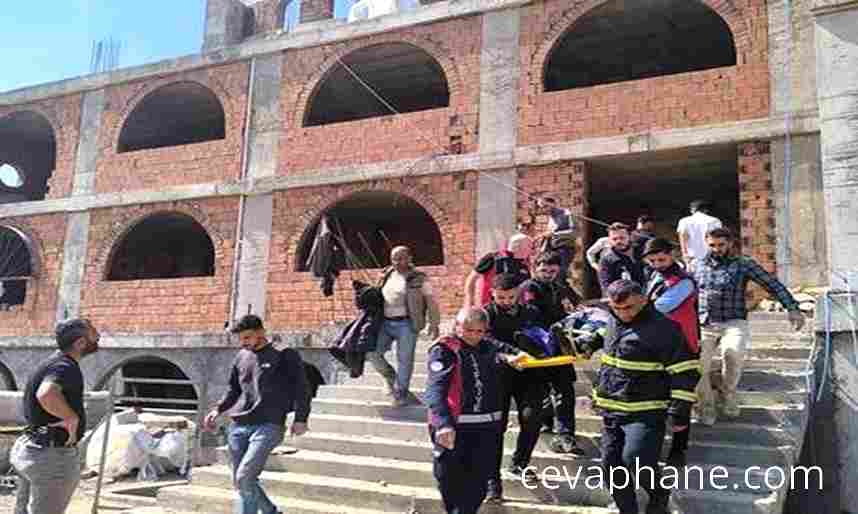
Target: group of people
[{"x": 658, "y": 327}]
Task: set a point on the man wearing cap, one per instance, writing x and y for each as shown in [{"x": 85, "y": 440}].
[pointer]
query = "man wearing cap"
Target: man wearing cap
[
  {"x": 673, "y": 293},
  {"x": 265, "y": 384},
  {"x": 46, "y": 457}
]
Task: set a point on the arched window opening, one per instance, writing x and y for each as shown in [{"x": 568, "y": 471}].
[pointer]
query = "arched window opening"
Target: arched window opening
[
  {"x": 621, "y": 41},
  {"x": 154, "y": 383},
  {"x": 370, "y": 223},
  {"x": 291, "y": 15},
  {"x": 16, "y": 268},
  {"x": 7, "y": 379},
  {"x": 176, "y": 114},
  {"x": 164, "y": 245},
  {"x": 27, "y": 156},
  {"x": 406, "y": 77}
]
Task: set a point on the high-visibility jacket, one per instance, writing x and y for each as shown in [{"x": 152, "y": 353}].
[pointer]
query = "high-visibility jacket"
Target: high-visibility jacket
[{"x": 646, "y": 367}]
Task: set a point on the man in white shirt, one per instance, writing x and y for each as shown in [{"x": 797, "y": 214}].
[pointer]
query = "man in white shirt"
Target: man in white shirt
[
  {"x": 692, "y": 232},
  {"x": 409, "y": 307}
]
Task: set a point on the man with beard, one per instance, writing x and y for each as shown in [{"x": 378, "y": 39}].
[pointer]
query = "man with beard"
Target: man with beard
[
  {"x": 511, "y": 261},
  {"x": 674, "y": 294},
  {"x": 547, "y": 294},
  {"x": 46, "y": 456},
  {"x": 722, "y": 278},
  {"x": 617, "y": 262},
  {"x": 506, "y": 317}
]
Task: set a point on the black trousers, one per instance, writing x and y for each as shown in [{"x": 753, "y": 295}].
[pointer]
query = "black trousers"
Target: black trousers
[
  {"x": 680, "y": 440},
  {"x": 528, "y": 388},
  {"x": 463, "y": 472},
  {"x": 561, "y": 403},
  {"x": 633, "y": 443}
]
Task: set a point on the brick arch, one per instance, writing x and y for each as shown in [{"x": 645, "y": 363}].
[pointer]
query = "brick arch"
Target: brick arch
[
  {"x": 34, "y": 244},
  {"x": 560, "y": 25},
  {"x": 325, "y": 202},
  {"x": 145, "y": 89},
  {"x": 107, "y": 370},
  {"x": 51, "y": 116},
  {"x": 7, "y": 378},
  {"x": 438, "y": 51},
  {"x": 130, "y": 218}
]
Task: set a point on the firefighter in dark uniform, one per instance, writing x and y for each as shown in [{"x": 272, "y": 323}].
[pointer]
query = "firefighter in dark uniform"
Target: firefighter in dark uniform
[
  {"x": 463, "y": 397},
  {"x": 528, "y": 387},
  {"x": 547, "y": 294},
  {"x": 647, "y": 376}
]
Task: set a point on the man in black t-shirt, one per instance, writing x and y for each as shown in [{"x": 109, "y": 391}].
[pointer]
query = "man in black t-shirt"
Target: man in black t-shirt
[
  {"x": 46, "y": 456},
  {"x": 511, "y": 261},
  {"x": 618, "y": 263}
]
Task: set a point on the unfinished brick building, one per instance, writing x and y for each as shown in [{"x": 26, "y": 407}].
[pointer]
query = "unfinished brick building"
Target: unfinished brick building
[{"x": 163, "y": 200}]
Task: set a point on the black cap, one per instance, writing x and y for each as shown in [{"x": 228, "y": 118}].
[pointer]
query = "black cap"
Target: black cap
[
  {"x": 657, "y": 245},
  {"x": 69, "y": 331},
  {"x": 248, "y": 322}
]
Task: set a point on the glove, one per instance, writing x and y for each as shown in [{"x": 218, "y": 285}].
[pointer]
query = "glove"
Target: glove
[{"x": 586, "y": 344}]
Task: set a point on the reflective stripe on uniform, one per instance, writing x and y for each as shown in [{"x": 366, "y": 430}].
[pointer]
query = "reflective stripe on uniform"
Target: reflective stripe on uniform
[
  {"x": 479, "y": 418},
  {"x": 679, "y": 394},
  {"x": 629, "y": 406},
  {"x": 682, "y": 367},
  {"x": 632, "y": 365}
]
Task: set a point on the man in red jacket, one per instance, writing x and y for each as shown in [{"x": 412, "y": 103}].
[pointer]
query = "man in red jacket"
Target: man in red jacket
[{"x": 674, "y": 294}]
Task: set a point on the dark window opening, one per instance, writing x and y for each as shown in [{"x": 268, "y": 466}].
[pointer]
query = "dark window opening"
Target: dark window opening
[
  {"x": 7, "y": 379},
  {"x": 153, "y": 383},
  {"x": 406, "y": 77},
  {"x": 369, "y": 224},
  {"x": 16, "y": 268},
  {"x": 166, "y": 245},
  {"x": 621, "y": 41},
  {"x": 27, "y": 157},
  {"x": 176, "y": 114}
]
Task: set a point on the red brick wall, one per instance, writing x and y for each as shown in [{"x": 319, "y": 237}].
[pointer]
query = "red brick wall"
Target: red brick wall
[
  {"x": 211, "y": 161},
  {"x": 567, "y": 182},
  {"x": 267, "y": 16},
  {"x": 682, "y": 100},
  {"x": 64, "y": 116},
  {"x": 37, "y": 315},
  {"x": 757, "y": 212},
  {"x": 315, "y": 10},
  {"x": 295, "y": 300},
  {"x": 161, "y": 305},
  {"x": 455, "y": 44}
]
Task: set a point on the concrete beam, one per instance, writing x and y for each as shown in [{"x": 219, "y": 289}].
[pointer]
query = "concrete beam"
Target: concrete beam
[
  {"x": 535, "y": 155},
  {"x": 837, "y": 72},
  {"x": 312, "y": 35},
  {"x": 74, "y": 264},
  {"x": 225, "y": 24},
  {"x": 499, "y": 93},
  {"x": 87, "y": 149}
]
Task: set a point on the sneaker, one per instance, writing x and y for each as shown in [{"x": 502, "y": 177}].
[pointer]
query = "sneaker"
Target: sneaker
[
  {"x": 411, "y": 399},
  {"x": 565, "y": 443},
  {"x": 546, "y": 429},
  {"x": 523, "y": 473},
  {"x": 495, "y": 491},
  {"x": 676, "y": 459},
  {"x": 730, "y": 407}
]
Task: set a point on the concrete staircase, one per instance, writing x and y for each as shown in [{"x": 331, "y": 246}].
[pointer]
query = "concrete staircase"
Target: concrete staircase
[{"x": 363, "y": 456}]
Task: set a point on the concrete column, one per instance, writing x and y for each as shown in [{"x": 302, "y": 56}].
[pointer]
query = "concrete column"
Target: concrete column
[
  {"x": 262, "y": 157},
  {"x": 225, "y": 24},
  {"x": 792, "y": 53},
  {"x": 837, "y": 91},
  {"x": 802, "y": 258},
  {"x": 499, "y": 74},
  {"x": 77, "y": 225}
]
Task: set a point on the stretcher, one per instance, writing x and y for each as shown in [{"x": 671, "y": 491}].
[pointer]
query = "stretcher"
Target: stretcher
[{"x": 531, "y": 362}]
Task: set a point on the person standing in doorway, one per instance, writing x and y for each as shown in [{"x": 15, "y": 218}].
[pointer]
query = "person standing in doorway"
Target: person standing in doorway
[
  {"x": 722, "y": 279},
  {"x": 46, "y": 456},
  {"x": 409, "y": 307},
  {"x": 265, "y": 385},
  {"x": 692, "y": 232}
]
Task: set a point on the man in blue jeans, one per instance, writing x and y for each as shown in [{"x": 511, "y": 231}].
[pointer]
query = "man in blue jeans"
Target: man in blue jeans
[{"x": 265, "y": 384}]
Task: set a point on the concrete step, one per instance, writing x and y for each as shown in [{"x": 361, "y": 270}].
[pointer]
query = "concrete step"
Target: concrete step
[
  {"x": 586, "y": 419},
  {"x": 379, "y": 394},
  {"x": 562, "y": 480},
  {"x": 761, "y": 379},
  {"x": 406, "y": 444},
  {"x": 367, "y": 494}
]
